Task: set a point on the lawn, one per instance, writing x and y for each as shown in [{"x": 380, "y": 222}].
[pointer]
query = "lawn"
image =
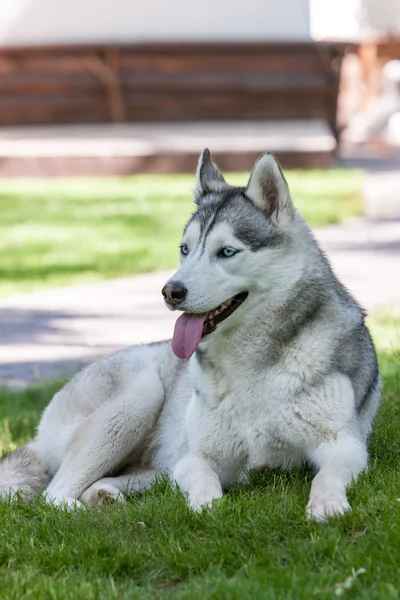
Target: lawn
[
  {"x": 256, "y": 543},
  {"x": 60, "y": 232}
]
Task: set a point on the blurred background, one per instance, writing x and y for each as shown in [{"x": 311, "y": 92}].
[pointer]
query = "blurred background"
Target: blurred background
[
  {"x": 105, "y": 106},
  {"x": 119, "y": 86}
]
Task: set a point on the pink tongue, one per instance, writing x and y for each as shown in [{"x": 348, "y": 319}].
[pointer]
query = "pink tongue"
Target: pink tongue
[{"x": 187, "y": 334}]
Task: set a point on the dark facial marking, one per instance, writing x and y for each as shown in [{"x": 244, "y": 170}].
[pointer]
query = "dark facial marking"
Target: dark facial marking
[
  {"x": 224, "y": 199},
  {"x": 258, "y": 236},
  {"x": 250, "y": 224}
]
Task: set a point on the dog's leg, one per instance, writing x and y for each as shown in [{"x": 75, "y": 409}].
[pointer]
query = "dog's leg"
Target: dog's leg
[
  {"x": 339, "y": 463},
  {"x": 106, "y": 438},
  {"x": 111, "y": 488},
  {"x": 197, "y": 478}
]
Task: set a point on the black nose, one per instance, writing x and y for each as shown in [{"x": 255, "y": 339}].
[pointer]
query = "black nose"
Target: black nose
[{"x": 174, "y": 292}]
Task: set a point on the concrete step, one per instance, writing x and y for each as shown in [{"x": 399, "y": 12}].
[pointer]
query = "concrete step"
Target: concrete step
[{"x": 164, "y": 147}]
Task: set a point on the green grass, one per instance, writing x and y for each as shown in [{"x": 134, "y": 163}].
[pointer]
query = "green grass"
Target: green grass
[
  {"x": 60, "y": 232},
  {"x": 256, "y": 543}
]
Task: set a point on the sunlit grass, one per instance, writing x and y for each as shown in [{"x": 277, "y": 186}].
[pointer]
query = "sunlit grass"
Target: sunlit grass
[{"x": 60, "y": 232}]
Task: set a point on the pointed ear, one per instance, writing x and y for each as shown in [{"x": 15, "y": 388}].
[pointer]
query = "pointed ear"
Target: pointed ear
[
  {"x": 268, "y": 190},
  {"x": 208, "y": 177}
]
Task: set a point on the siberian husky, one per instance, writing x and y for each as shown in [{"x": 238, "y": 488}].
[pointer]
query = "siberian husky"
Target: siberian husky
[{"x": 270, "y": 366}]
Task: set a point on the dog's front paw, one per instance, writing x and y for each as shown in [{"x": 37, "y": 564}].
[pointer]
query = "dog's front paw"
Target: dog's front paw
[
  {"x": 63, "y": 502},
  {"x": 203, "y": 497},
  {"x": 323, "y": 505},
  {"x": 100, "y": 493}
]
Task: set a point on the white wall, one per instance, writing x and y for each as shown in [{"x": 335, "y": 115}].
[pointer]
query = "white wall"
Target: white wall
[
  {"x": 338, "y": 19},
  {"x": 382, "y": 16},
  {"x": 66, "y": 21},
  {"x": 352, "y": 19}
]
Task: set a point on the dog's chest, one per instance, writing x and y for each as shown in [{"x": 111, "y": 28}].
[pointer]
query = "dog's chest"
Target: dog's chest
[{"x": 238, "y": 419}]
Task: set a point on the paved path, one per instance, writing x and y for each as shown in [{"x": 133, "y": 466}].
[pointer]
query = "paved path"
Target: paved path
[{"x": 53, "y": 333}]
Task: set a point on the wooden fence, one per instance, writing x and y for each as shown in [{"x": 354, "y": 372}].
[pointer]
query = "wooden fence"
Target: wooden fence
[{"x": 169, "y": 82}]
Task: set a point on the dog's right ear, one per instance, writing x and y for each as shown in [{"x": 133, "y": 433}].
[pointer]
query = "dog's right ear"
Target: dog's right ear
[{"x": 208, "y": 177}]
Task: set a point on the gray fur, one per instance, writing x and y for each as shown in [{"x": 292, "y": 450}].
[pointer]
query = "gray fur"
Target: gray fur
[
  {"x": 209, "y": 178},
  {"x": 250, "y": 224},
  {"x": 357, "y": 360}
]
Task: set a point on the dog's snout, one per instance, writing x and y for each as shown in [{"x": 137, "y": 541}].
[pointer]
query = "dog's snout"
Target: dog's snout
[{"x": 174, "y": 292}]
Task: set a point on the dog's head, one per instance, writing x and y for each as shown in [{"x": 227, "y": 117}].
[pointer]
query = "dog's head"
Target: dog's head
[{"x": 232, "y": 251}]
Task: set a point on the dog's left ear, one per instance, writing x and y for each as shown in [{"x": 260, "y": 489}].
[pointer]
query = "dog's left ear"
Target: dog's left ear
[
  {"x": 208, "y": 177},
  {"x": 268, "y": 190}
]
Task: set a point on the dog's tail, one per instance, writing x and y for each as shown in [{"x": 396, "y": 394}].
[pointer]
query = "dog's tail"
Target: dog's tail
[{"x": 22, "y": 471}]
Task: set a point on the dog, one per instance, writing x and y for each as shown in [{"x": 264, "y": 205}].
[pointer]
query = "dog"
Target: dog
[{"x": 270, "y": 366}]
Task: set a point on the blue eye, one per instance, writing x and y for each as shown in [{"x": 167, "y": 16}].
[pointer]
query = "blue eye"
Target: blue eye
[
  {"x": 184, "y": 249},
  {"x": 227, "y": 252}
]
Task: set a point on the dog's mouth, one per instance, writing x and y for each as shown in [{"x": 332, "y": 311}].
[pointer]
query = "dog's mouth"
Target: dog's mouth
[
  {"x": 190, "y": 328},
  {"x": 222, "y": 312}
]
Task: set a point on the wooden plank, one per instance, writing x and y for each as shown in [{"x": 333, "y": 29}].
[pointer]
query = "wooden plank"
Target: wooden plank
[
  {"x": 20, "y": 85},
  {"x": 211, "y": 48},
  {"x": 241, "y": 87},
  {"x": 177, "y": 81},
  {"x": 232, "y": 63},
  {"x": 66, "y": 110},
  {"x": 47, "y": 62},
  {"x": 148, "y": 108}
]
